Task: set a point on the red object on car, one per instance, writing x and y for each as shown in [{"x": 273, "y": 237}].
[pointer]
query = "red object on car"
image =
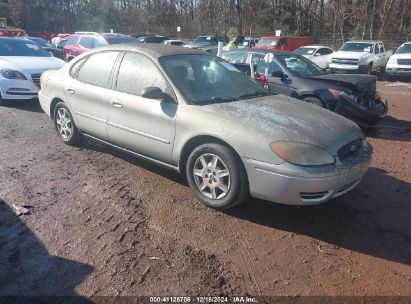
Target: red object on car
[
  {"x": 282, "y": 43},
  {"x": 81, "y": 42}
]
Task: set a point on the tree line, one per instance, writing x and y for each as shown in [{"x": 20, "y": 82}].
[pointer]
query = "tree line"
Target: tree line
[{"x": 328, "y": 21}]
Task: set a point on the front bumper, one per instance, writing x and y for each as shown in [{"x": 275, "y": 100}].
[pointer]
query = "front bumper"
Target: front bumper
[
  {"x": 363, "y": 116},
  {"x": 282, "y": 184},
  {"x": 398, "y": 70},
  {"x": 347, "y": 69},
  {"x": 18, "y": 89}
]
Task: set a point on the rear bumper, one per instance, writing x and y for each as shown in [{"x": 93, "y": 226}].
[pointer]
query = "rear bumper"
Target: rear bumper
[
  {"x": 45, "y": 103},
  {"x": 268, "y": 182}
]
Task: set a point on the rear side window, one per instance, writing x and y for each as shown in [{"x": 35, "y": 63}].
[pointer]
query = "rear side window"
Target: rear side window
[
  {"x": 97, "y": 69},
  {"x": 138, "y": 72},
  {"x": 72, "y": 40},
  {"x": 324, "y": 51},
  {"x": 87, "y": 42}
]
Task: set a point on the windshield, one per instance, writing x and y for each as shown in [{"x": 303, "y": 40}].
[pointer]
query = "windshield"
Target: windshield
[
  {"x": 41, "y": 42},
  {"x": 305, "y": 51},
  {"x": 14, "y": 47},
  {"x": 120, "y": 40},
  {"x": 404, "y": 49},
  {"x": 299, "y": 65},
  {"x": 203, "y": 39},
  {"x": 357, "y": 47},
  {"x": 267, "y": 41},
  {"x": 205, "y": 79}
]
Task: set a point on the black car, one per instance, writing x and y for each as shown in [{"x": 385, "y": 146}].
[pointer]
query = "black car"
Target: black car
[
  {"x": 44, "y": 44},
  {"x": 151, "y": 39},
  {"x": 353, "y": 96}
]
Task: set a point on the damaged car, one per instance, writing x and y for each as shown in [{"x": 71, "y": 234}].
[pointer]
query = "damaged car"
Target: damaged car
[
  {"x": 194, "y": 113},
  {"x": 353, "y": 96}
]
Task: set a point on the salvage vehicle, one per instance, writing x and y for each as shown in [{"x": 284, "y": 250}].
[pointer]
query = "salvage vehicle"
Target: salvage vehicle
[
  {"x": 399, "y": 64},
  {"x": 21, "y": 64},
  {"x": 282, "y": 43},
  {"x": 58, "y": 53},
  {"x": 193, "y": 112},
  {"x": 354, "y": 97},
  {"x": 359, "y": 56},
  {"x": 81, "y": 42},
  {"x": 316, "y": 53}
]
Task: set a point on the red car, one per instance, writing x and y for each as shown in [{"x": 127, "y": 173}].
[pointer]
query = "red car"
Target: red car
[
  {"x": 81, "y": 42},
  {"x": 282, "y": 43}
]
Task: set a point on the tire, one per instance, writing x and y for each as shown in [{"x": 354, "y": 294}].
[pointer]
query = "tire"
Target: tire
[
  {"x": 315, "y": 101},
  {"x": 369, "y": 70},
  {"x": 214, "y": 166},
  {"x": 65, "y": 126},
  {"x": 2, "y": 101}
]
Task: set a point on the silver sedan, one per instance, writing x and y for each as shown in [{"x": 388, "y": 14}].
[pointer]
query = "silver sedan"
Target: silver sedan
[{"x": 194, "y": 113}]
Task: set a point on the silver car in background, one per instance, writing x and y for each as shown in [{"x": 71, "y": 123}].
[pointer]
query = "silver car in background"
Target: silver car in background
[{"x": 195, "y": 113}]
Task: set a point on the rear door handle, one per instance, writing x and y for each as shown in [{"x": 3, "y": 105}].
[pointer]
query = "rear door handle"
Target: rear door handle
[
  {"x": 71, "y": 91},
  {"x": 116, "y": 104}
]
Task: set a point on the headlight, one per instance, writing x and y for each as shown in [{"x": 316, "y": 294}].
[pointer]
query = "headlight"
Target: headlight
[
  {"x": 391, "y": 60},
  {"x": 338, "y": 94},
  {"x": 301, "y": 154},
  {"x": 11, "y": 74}
]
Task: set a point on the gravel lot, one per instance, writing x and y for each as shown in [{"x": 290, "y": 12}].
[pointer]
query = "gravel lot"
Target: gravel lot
[{"x": 103, "y": 223}]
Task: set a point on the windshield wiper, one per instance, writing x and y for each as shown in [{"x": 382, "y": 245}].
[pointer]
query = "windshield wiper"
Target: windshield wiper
[
  {"x": 254, "y": 94},
  {"x": 216, "y": 99}
]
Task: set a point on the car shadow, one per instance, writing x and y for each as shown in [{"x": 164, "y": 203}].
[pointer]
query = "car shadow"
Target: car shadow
[
  {"x": 373, "y": 219},
  {"x": 94, "y": 145},
  {"x": 31, "y": 105},
  {"x": 29, "y": 272},
  {"x": 391, "y": 129}
]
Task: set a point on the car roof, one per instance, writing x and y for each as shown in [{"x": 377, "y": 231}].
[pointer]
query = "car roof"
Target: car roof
[
  {"x": 262, "y": 51},
  {"x": 364, "y": 41},
  {"x": 155, "y": 50},
  {"x": 315, "y": 46}
]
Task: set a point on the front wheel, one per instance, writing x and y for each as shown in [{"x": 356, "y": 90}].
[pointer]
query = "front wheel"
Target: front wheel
[
  {"x": 64, "y": 124},
  {"x": 315, "y": 101},
  {"x": 217, "y": 176}
]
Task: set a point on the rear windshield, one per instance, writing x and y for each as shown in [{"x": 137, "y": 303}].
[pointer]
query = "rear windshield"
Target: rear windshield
[
  {"x": 404, "y": 49},
  {"x": 203, "y": 39},
  {"x": 267, "y": 42},
  {"x": 21, "y": 48}
]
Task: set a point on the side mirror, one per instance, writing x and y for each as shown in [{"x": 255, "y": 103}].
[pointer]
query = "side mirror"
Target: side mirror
[
  {"x": 317, "y": 54},
  {"x": 278, "y": 74},
  {"x": 152, "y": 93}
]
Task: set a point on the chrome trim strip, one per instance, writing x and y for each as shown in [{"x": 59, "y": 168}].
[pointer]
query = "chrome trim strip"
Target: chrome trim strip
[
  {"x": 158, "y": 162},
  {"x": 165, "y": 141},
  {"x": 90, "y": 116}
]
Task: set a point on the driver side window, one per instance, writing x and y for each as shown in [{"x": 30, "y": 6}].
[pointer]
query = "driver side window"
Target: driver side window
[{"x": 258, "y": 59}]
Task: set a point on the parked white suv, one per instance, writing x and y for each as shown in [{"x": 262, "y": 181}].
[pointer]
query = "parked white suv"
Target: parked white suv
[
  {"x": 362, "y": 56},
  {"x": 399, "y": 64}
]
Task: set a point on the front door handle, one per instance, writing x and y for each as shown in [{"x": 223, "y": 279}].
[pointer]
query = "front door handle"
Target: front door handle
[
  {"x": 71, "y": 91},
  {"x": 116, "y": 104}
]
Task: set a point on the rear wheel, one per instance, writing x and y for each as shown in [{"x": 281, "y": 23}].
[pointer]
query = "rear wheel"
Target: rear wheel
[
  {"x": 315, "y": 101},
  {"x": 64, "y": 124},
  {"x": 217, "y": 176}
]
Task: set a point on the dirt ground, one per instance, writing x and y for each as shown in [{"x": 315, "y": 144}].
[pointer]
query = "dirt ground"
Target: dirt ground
[{"x": 103, "y": 223}]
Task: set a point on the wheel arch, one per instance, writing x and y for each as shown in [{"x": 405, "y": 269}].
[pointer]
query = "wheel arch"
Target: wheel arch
[
  {"x": 53, "y": 104},
  {"x": 197, "y": 141}
]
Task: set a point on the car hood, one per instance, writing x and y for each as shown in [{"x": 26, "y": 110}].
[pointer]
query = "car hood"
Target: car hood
[
  {"x": 402, "y": 56},
  {"x": 282, "y": 118},
  {"x": 30, "y": 64},
  {"x": 359, "y": 84},
  {"x": 349, "y": 55}
]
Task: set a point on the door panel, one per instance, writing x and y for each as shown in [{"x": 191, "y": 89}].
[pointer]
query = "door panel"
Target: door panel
[
  {"x": 146, "y": 126},
  {"x": 88, "y": 94}
]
